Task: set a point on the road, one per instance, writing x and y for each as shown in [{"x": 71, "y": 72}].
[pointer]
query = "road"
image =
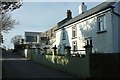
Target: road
[{"x": 14, "y": 66}]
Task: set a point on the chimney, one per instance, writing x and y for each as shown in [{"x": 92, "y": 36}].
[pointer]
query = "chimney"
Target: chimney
[
  {"x": 69, "y": 14},
  {"x": 82, "y": 8}
]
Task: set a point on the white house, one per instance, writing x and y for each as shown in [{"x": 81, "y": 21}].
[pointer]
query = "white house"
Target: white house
[{"x": 100, "y": 24}]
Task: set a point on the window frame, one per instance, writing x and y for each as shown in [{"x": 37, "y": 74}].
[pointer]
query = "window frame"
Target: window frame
[
  {"x": 33, "y": 38},
  {"x": 74, "y": 32},
  {"x": 74, "y": 45},
  {"x": 64, "y": 45},
  {"x": 63, "y": 34},
  {"x": 101, "y": 28}
]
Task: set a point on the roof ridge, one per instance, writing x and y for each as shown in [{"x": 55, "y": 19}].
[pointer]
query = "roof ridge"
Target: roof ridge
[{"x": 89, "y": 12}]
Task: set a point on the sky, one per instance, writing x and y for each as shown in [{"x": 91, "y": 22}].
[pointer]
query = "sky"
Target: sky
[{"x": 41, "y": 16}]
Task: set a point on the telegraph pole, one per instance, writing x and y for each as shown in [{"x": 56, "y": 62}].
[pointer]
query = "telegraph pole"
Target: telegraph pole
[
  {"x": 0, "y": 23},
  {"x": 6, "y": 6},
  {"x": 0, "y": 40}
]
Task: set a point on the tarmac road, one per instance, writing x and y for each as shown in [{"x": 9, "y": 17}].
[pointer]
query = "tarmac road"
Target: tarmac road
[{"x": 14, "y": 66}]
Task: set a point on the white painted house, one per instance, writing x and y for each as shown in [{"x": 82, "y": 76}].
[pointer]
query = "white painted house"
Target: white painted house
[{"x": 100, "y": 24}]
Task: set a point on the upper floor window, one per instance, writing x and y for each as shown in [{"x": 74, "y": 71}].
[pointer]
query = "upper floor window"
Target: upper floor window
[
  {"x": 74, "y": 32},
  {"x": 101, "y": 23},
  {"x": 64, "y": 34},
  {"x": 31, "y": 38}
]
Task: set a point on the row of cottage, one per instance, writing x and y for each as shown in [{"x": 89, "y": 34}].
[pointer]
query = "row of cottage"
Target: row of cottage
[{"x": 100, "y": 24}]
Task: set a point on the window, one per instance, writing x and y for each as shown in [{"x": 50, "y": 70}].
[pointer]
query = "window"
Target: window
[
  {"x": 101, "y": 23},
  {"x": 31, "y": 38},
  {"x": 74, "y": 32},
  {"x": 74, "y": 43},
  {"x": 64, "y": 34},
  {"x": 64, "y": 45},
  {"x": 88, "y": 41}
]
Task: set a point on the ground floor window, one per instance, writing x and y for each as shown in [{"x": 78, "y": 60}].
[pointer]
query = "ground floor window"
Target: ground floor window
[
  {"x": 74, "y": 44},
  {"x": 61, "y": 48}
]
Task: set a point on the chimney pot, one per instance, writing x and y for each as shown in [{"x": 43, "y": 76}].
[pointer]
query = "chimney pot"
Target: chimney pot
[
  {"x": 69, "y": 14},
  {"x": 82, "y": 8},
  {"x": 83, "y": 3}
]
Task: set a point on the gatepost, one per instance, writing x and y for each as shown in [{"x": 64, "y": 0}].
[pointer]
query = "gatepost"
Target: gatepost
[
  {"x": 54, "y": 50},
  {"x": 54, "y": 53},
  {"x": 88, "y": 49}
]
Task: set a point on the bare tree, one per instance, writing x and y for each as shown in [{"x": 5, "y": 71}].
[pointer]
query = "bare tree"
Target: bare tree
[
  {"x": 16, "y": 39},
  {"x": 7, "y": 22}
]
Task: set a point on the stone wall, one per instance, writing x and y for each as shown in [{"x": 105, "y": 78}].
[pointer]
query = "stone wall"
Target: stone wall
[{"x": 79, "y": 67}]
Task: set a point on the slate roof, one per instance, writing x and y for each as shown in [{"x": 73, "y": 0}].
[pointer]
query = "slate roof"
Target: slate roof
[
  {"x": 63, "y": 21},
  {"x": 98, "y": 8}
]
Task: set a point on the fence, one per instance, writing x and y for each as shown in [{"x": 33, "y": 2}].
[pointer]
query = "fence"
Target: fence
[{"x": 78, "y": 53}]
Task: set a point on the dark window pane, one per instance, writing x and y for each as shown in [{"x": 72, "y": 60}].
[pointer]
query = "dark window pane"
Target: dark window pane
[{"x": 31, "y": 38}]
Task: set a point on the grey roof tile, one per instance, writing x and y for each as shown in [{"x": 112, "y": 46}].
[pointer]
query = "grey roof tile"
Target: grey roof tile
[{"x": 90, "y": 12}]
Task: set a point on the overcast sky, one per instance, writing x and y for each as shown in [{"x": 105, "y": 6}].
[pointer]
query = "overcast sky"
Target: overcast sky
[{"x": 41, "y": 16}]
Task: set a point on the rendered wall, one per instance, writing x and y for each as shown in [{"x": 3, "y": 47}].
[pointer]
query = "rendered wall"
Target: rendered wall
[
  {"x": 116, "y": 28},
  {"x": 102, "y": 42},
  {"x": 76, "y": 66}
]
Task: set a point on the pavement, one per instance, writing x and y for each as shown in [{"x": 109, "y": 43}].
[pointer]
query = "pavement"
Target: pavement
[{"x": 15, "y": 66}]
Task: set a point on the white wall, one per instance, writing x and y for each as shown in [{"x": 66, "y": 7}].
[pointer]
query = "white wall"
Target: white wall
[
  {"x": 116, "y": 28},
  {"x": 60, "y": 42},
  {"x": 102, "y": 42}
]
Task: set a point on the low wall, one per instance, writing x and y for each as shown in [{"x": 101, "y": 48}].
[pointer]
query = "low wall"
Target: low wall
[
  {"x": 76, "y": 66},
  {"x": 93, "y": 65}
]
